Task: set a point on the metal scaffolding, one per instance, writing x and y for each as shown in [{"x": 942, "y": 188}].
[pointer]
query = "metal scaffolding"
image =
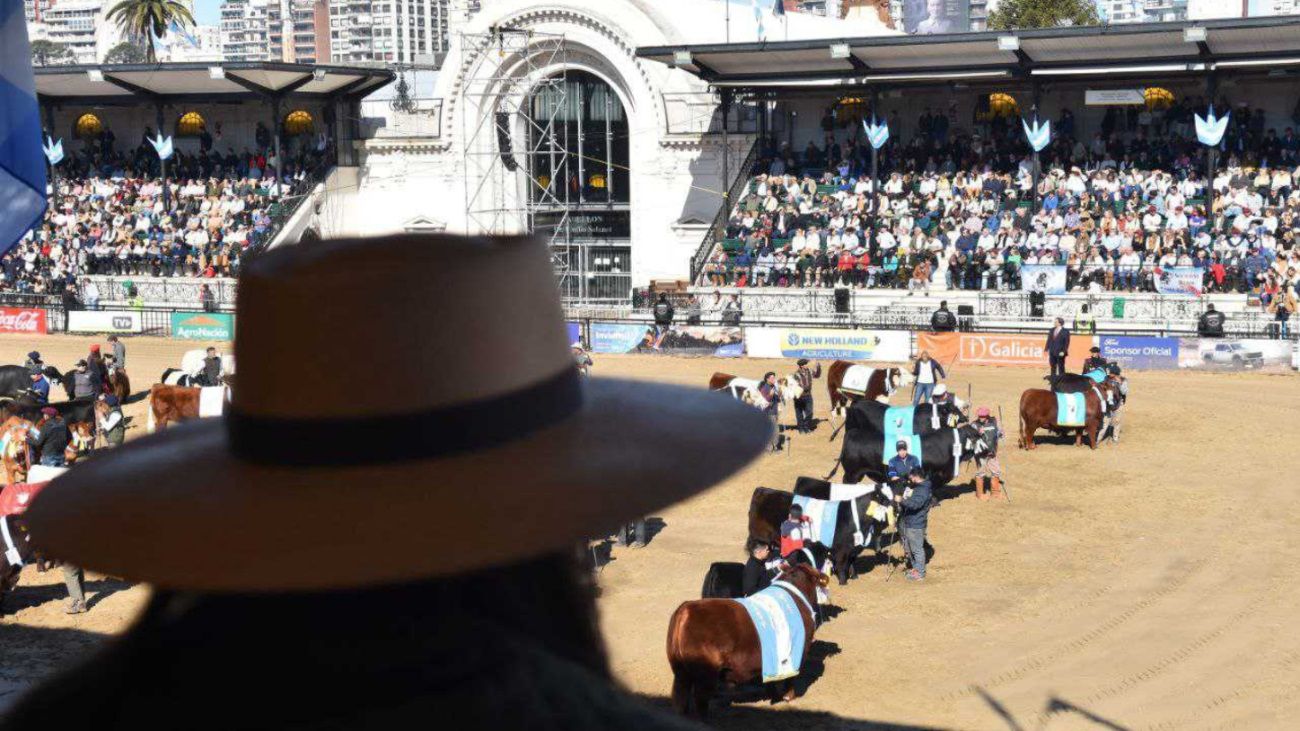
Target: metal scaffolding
[{"x": 504, "y": 194}]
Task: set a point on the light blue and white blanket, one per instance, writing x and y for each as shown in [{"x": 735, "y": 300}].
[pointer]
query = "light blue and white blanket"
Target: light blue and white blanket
[
  {"x": 781, "y": 632},
  {"x": 1071, "y": 409}
]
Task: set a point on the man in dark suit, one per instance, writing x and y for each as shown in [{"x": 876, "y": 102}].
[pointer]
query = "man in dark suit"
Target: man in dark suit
[{"x": 1057, "y": 347}]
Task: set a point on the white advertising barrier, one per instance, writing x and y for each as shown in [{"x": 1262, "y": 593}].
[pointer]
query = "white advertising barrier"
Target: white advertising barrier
[
  {"x": 827, "y": 344},
  {"x": 1227, "y": 354},
  {"x": 105, "y": 322}
]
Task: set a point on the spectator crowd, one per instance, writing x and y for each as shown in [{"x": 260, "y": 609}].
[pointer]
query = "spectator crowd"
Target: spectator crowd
[
  {"x": 108, "y": 214},
  {"x": 957, "y": 208}
]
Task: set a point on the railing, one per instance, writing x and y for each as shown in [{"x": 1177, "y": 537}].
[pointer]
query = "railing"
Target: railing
[{"x": 724, "y": 211}]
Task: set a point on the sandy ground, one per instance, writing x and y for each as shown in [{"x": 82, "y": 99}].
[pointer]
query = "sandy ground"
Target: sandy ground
[{"x": 1147, "y": 584}]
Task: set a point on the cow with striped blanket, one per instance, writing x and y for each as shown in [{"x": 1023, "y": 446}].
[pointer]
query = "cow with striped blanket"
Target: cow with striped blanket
[
  {"x": 844, "y": 519},
  {"x": 1082, "y": 413}
]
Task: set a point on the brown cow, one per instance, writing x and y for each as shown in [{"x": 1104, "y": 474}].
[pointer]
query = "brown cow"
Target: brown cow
[
  {"x": 881, "y": 382},
  {"x": 712, "y": 642},
  {"x": 1038, "y": 410},
  {"x": 170, "y": 404}
]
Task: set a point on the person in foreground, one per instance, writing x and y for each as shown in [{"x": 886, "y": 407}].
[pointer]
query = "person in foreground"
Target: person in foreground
[{"x": 297, "y": 581}]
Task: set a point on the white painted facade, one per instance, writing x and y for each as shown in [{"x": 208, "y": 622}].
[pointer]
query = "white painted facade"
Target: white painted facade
[{"x": 419, "y": 180}]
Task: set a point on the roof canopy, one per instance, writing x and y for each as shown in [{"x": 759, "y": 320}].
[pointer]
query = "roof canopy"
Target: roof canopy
[
  {"x": 1083, "y": 51},
  {"x": 216, "y": 81}
]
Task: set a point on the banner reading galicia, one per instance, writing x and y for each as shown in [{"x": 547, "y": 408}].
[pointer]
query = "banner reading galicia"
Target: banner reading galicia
[
  {"x": 841, "y": 344},
  {"x": 203, "y": 325},
  {"x": 1143, "y": 353},
  {"x": 1180, "y": 280},
  {"x": 1047, "y": 278}
]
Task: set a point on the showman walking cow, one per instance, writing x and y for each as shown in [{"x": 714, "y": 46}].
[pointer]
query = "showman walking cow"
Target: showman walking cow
[
  {"x": 729, "y": 642},
  {"x": 847, "y": 382},
  {"x": 746, "y": 389}
]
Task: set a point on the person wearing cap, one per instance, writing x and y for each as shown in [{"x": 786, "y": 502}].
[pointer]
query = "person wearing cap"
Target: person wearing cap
[
  {"x": 110, "y": 421},
  {"x": 914, "y": 508},
  {"x": 50, "y": 438},
  {"x": 803, "y": 406},
  {"x": 1057, "y": 347},
  {"x": 502, "y": 632},
  {"x": 989, "y": 468},
  {"x": 903, "y": 462},
  {"x": 1095, "y": 360},
  {"x": 82, "y": 385},
  {"x": 40, "y": 388},
  {"x": 95, "y": 367},
  {"x": 581, "y": 359},
  {"x": 794, "y": 530},
  {"x": 34, "y": 362}
]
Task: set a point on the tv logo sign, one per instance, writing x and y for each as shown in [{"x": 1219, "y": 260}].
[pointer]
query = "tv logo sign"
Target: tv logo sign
[{"x": 105, "y": 322}]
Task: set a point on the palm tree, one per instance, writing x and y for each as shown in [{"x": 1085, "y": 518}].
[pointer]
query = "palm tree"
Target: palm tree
[{"x": 149, "y": 19}]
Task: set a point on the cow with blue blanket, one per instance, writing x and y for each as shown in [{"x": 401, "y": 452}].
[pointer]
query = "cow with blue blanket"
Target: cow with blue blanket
[
  {"x": 919, "y": 419},
  {"x": 866, "y": 452},
  {"x": 715, "y": 643},
  {"x": 1082, "y": 413},
  {"x": 844, "y": 520}
]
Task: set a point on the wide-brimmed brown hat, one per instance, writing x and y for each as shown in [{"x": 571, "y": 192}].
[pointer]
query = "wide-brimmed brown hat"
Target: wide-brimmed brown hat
[{"x": 407, "y": 407}]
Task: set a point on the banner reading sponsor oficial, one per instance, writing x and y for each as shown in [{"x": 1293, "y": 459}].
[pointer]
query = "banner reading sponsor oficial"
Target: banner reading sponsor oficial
[
  {"x": 22, "y": 320},
  {"x": 203, "y": 325},
  {"x": 1179, "y": 280},
  {"x": 837, "y": 344},
  {"x": 1002, "y": 349},
  {"x": 105, "y": 322},
  {"x": 1048, "y": 278},
  {"x": 1144, "y": 353}
]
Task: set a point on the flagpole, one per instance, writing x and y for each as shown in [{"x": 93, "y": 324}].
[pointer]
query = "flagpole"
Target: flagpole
[
  {"x": 727, "y": 20},
  {"x": 162, "y": 162},
  {"x": 54, "y": 169}
]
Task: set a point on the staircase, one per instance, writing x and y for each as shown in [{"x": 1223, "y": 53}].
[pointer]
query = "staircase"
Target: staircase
[{"x": 714, "y": 234}]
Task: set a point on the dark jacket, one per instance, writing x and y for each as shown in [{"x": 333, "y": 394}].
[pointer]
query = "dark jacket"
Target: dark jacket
[
  {"x": 916, "y": 508},
  {"x": 991, "y": 433},
  {"x": 95, "y": 367},
  {"x": 943, "y": 320},
  {"x": 51, "y": 438},
  {"x": 755, "y": 578},
  {"x": 939, "y": 375},
  {"x": 1095, "y": 362},
  {"x": 663, "y": 312},
  {"x": 212, "y": 371},
  {"x": 1211, "y": 324},
  {"x": 903, "y": 466},
  {"x": 805, "y": 376},
  {"x": 1058, "y": 342}
]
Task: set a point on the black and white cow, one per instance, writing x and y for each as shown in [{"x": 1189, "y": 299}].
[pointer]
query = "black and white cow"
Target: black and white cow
[
  {"x": 926, "y": 418},
  {"x": 858, "y": 521},
  {"x": 864, "y": 454}
]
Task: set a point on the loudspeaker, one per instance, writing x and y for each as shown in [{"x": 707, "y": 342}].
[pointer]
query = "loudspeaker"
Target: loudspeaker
[
  {"x": 841, "y": 301},
  {"x": 965, "y": 311},
  {"x": 503, "y": 141},
  {"x": 1037, "y": 304}
]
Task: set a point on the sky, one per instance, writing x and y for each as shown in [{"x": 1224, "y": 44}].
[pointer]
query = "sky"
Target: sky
[{"x": 207, "y": 12}]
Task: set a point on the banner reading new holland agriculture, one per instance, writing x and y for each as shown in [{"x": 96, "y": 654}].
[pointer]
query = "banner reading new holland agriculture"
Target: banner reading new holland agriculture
[
  {"x": 203, "y": 326},
  {"x": 826, "y": 344}
]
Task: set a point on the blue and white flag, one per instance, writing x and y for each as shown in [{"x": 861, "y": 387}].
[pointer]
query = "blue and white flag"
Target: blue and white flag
[
  {"x": 163, "y": 145},
  {"x": 877, "y": 133},
  {"x": 53, "y": 151},
  {"x": 1210, "y": 129},
  {"x": 22, "y": 157},
  {"x": 1039, "y": 135},
  {"x": 758, "y": 20}
]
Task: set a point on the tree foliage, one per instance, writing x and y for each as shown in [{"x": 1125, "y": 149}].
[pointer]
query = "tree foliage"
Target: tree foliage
[
  {"x": 49, "y": 53},
  {"x": 149, "y": 19},
  {"x": 1015, "y": 14},
  {"x": 126, "y": 52}
]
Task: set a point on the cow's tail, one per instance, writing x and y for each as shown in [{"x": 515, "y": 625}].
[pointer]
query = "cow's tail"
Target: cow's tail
[
  {"x": 1020, "y": 416},
  {"x": 152, "y": 423},
  {"x": 834, "y": 469},
  {"x": 683, "y": 681}
]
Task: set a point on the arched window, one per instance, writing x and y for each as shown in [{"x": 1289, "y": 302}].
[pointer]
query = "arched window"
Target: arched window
[
  {"x": 1157, "y": 98},
  {"x": 578, "y": 142},
  {"x": 190, "y": 124},
  {"x": 88, "y": 127},
  {"x": 298, "y": 122}
]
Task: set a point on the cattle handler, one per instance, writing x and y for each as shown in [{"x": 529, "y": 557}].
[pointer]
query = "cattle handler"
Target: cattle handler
[
  {"x": 989, "y": 469},
  {"x": 289, "y": 543}
]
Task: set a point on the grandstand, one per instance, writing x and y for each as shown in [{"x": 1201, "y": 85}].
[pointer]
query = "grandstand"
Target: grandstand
[{"x": 252, "y": 141}]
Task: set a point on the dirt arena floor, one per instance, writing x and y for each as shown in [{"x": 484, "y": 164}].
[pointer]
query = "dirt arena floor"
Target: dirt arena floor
[{"x": 1147, "y": 585}]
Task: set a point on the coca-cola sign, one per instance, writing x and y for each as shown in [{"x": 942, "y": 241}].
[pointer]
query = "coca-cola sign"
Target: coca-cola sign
[{"x": 15, "y": 320}]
